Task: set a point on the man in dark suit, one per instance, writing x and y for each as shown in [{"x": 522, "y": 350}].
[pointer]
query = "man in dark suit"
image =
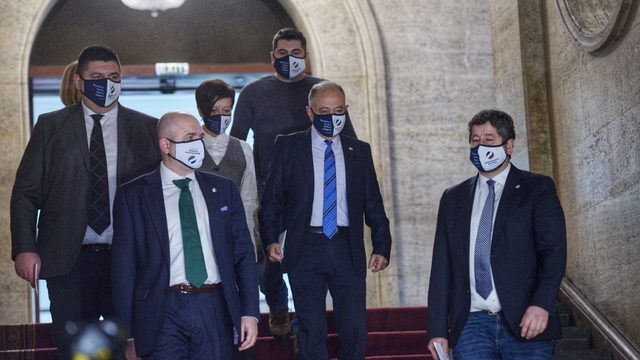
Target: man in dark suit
[
  {"x": 271, "y": 106},
  {"x": 184, "y": 274},
  {"x": 320, "y": 187},
  {"x": 65, "y": 184},
  {"x": 499, "y": 255}
]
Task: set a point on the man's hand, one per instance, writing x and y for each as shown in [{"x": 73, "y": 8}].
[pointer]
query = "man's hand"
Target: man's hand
[
  {"x": 432, "y": 349},
  {"x": 248, "y": 332},
  {"x": 130, "y": 351},
  {"x": 26, "y": 264},
  {"x": 274, "y": 252},
  {"x": 533, "y": 322},
  {"x": 377, "y": 262}
]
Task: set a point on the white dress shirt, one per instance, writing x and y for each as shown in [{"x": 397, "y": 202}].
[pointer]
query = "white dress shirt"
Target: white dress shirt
[
  {"x": 109, "y": 123},
  {"x": 491, "y": 303},
  {"x": 217, "y": 147},
  {"x": 171, "y": 194},
  {"x": 318, "y": 147}
]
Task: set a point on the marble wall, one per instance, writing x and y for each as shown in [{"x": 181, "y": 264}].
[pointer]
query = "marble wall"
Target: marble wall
[
  {"x": 595, "y": 105},
  {"x": 439, "y": 71},
  {"x": 586, "y": 109},
  {"x": 17, "y": 20}
]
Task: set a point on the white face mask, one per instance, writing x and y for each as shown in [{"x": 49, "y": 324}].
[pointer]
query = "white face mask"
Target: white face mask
[
  {"x": 487, "y": 158},
  {"x": 190, "y": 153}
]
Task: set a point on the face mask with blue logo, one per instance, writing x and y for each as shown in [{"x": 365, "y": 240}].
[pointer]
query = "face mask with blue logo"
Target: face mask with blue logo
[
  {"x": 329, "y": 125},
  {"x": 190, "y": 153},
  {"x": 103, "y": 92},
  {"x": 217, "y": 123},
  {"x": 488, "y": 158},
  {"x": 289, "y": 66}
]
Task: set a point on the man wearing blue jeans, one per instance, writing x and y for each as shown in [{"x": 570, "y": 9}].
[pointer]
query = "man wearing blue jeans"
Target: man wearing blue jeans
[{"x": 499, "y": 255}]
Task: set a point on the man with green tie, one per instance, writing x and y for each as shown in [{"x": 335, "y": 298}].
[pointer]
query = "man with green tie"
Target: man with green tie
[{"x": 184, "y": 278}]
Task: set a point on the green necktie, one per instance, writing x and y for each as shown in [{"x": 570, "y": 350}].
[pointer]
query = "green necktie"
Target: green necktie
[{"x": 193, "y": 259}]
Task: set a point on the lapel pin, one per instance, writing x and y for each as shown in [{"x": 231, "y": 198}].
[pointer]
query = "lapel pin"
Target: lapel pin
[
  {"x": 350, "y": 148},
  {"x": 215, "y": 190},
  {"x": 518, "y": 186}
]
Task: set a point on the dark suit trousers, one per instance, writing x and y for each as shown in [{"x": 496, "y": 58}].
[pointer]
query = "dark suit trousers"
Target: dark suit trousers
[
  {"x": 326, "y": 264},
  {"x": 195, "y": 327},
  {"x": 83, "y": 294}
]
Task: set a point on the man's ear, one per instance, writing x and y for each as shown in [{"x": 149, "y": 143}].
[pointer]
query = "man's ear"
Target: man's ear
[
  {"x": 509, "y": 146},
  {"x": 165, "y": 145},
  {"x": 76, "y": 82},
  {"x": 309, "y": 112}
]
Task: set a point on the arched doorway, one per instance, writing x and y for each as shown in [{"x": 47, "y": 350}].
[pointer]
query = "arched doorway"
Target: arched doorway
[{"x": 344, "y": 46}]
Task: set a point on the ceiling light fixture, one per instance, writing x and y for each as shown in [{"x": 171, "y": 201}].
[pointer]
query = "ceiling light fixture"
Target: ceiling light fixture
[{"x": 153, "y": 5}]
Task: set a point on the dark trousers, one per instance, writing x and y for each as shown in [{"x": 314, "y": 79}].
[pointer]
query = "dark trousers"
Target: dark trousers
[
  {"x": 325, "y": 264},
  {"x": 272, "y": 284},
  {"x": 195, "y": 327},
  {"x": 82, "y": 294}
]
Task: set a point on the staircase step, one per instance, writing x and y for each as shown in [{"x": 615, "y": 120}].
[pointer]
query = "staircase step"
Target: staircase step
[
  {"x": 35, "y": 354},
  {"x": 383, "y": 319},
  {"x": 591, "y": 354},
  {"x": 572, "y": 344},
  {"x": 394, "y": 343},
  {"x": 576, "y": 332},
  {"x": 397, "y": 357},
  {"x": 564, "y": 312}
]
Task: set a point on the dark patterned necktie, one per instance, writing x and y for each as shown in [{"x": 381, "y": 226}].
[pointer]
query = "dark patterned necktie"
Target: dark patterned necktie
[
  {"x": 194, "y": 267},
  {"x": 329, "y": 203},
  {"x": 482, "y": 259},
  {"x": 99, "y": 211}
]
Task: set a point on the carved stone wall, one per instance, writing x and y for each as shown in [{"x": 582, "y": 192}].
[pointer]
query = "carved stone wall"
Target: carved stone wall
[
  {"x": 595, "y": 107},
  {"x": 590, "y": 95}
]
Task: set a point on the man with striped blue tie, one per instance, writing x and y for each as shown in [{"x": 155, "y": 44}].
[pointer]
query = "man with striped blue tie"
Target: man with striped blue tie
[{"x": 321, "y": 186}]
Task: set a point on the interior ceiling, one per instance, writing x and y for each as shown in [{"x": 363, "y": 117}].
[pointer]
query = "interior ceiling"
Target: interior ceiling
[{"x": 198, "y": 32}]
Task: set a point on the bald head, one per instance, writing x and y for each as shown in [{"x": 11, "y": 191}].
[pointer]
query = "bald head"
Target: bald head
[
  {"x": 170, "y": 122},
  {"x": 176, "y": 127}
]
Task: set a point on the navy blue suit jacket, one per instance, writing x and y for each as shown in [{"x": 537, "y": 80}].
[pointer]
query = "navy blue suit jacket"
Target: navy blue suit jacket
[
  {"x": 288, "y": 199},
  {"x": 140, "y": 254},
  {"x": 528, "y": 254}
]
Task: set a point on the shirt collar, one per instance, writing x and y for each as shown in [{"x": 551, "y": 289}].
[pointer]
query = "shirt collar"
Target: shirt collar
[
  {"x": 220, "y": 140},
  {"x": 168, "y": 176},
  {"x": 500, "y": 178},
  {"x": 113, "y": 113},
  {"x": 317, "y": 140}
]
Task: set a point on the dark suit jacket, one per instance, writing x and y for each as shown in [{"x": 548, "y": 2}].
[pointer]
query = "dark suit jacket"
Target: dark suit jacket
[
  {"x": 140, "y": 254},
  {"x": 288, "y": 195},
  {"x": 54, "y": 177},
  {"x": 528, "y": 254}
]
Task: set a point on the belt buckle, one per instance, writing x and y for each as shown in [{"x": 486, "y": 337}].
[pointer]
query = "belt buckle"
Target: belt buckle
[
  {"x": 185, "y": 289},
  {"x": 493, "y": 313}
]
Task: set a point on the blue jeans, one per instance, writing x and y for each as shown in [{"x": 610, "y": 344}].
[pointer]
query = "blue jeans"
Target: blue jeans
[{"x": 488, "y": 337}]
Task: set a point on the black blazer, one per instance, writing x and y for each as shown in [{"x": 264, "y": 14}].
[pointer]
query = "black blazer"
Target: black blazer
[
  {"x": 140, "y": 254},
  {"x": 53, "y": 178},
  {"x": 528, "y": 254},
  {"x": 288, "y": 195}
]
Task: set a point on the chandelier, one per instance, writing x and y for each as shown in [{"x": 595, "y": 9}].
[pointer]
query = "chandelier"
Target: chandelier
[{"x": 153, "y": 5}]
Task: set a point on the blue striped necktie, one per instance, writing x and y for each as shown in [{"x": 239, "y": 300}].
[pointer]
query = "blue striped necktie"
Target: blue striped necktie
[
  {"x": 329, "y": 203},
  {"x": 482, "y": 256}
]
